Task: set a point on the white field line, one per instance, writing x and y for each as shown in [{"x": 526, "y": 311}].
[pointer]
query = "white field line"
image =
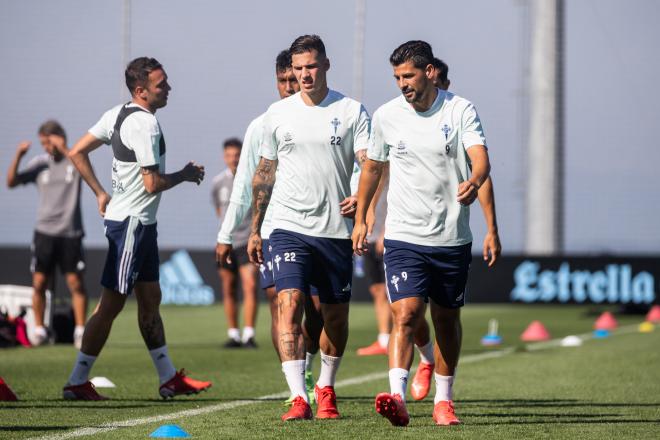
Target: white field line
[{"x": 468, "y": 359}]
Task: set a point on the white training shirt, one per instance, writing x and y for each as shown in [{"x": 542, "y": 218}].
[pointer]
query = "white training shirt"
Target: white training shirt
[
  {"x": 428, "y": 160},
  {"x": 315, "y": 147},
  {"x": 141, "y": 133},
  {"x": 240, "y": 200}
]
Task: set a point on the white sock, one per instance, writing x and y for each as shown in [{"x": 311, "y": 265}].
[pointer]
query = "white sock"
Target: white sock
[
  {"x": 163, "y": 363},
  {"x": 81, "y": 369},
  {"x": 443, "y": 386},
  {"x": 426, "y": 353},
  {"x": 383, "y": 339},
  {"x": 294, "y": 371},
  {"x": 234, "y": 334},
  {"x": 79, "y": 330},
  {"x": 248, "y": 332},
  {"x": 398, "y": 382},
  {"x": 329, "y": 367},
  {"x": 309, "y": 361}
]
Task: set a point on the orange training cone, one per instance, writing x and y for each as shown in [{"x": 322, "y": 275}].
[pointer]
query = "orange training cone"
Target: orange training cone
[
  {"x": 6, "y": 394},
  {"x": 606, "y": 321},
  {"x": 654, "y": 314},
  {"x": 535, "y": 332}
]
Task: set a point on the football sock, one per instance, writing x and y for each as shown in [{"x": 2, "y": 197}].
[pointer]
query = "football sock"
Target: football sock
[
  {"x": 426, "y": 353},
  {"x": 443, "y": 386},
  {"x": 398, "y": 382},
  {"x": 81, "y": 369},
  {"x": 248, "y": 332},
  {"x": 294, "y": 371},
  {"x": 329, "y": 367},
  {"x": 234, "y": 334},
  {"x": 383, "y": 339},
  {"x": 309, "y": 361},
  {"x": 163, "y": 363}
]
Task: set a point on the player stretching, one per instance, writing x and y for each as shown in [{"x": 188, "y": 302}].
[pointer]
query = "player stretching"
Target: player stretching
[
  {"x": 311, "y": 138},
  {"x": 132, "y": 262},
  {"x": 421, "y": 383},
  {"x": 430, "y": 138}
]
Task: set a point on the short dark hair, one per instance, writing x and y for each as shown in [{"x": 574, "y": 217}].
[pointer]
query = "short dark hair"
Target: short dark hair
[
  {"x": 138, "y": 70},
  {"x": 283, "y": 61},
  {"x": 51, "y": 127},
  {"x": 417, "y": 51},
  {"x": 307, "y": 43},
  {"x": 442, "y": 67},
  {"x": 232, "y": 142}
]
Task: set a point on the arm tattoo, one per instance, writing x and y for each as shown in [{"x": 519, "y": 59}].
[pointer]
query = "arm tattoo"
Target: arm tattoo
[
  {"x": 362, "y": 157},
  {"x": 262, "y": 189}
]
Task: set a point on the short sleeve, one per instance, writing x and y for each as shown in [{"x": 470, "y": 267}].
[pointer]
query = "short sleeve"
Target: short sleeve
[
  {"x": 268, "y": 148},
  {"x": 361, "y": 131},
  {"x": 34, "y": 167},
  {"x": 471, "y": 129},
  {"x": 102, "y": 130},
  {"x": 378, "y": 149},
  {"x": 141, "y": 133}
]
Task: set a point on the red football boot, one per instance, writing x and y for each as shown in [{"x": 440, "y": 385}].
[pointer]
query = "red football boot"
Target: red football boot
[
  {"x": 392, "y": 407},
  {"x": 300, "y": 410},
  {"x": 372, "y": 350},
  {"x": 84, "y": 391},
  {"x": 444, "y": 415},
  {"x": 421, "y": 383},
  {"x": 182, "y": 384},
  {"x": 326, "y": 401}
]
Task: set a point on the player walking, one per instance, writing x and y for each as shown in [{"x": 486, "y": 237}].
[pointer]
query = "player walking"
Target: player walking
[
  {"x": 138, "y": 179},
  {"x": 435, "y": 145},
  {"x": 311, "y": 139}
]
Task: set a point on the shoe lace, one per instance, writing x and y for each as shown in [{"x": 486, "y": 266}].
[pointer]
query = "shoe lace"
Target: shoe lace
[{"x": 327, "y": 393}]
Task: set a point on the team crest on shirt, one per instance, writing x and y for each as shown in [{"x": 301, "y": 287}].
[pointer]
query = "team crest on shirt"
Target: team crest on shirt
[
  {"x": 446, "y": 129},
  {"x": 335, "y": 124}
]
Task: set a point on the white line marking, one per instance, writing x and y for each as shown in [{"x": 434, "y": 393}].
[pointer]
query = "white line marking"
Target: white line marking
[{"x": 468, "y": 359}]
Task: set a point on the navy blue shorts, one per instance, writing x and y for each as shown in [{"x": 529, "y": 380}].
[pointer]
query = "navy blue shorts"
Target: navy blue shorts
[
  {"x": 132, "y": 254},
  {"x": 266, "y": 268},
  {"x": 313, "y": 263},
  {"x": 436, "y": 272}
]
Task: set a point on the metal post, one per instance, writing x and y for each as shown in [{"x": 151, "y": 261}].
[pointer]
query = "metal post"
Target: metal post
[{"x": 545, "y": 190}]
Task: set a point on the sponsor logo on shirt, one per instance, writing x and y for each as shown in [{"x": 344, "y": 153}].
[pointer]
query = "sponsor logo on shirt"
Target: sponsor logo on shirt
[
  {"x": 401, "y": 148},
  {"x": 288, "y": 137}
]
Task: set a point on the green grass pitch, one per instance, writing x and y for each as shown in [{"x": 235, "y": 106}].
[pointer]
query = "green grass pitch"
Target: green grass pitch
[{"x": 607, "y": 388}]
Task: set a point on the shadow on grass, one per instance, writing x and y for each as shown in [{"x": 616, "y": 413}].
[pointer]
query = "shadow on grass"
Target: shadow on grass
[{"x": 35, "y": 428}]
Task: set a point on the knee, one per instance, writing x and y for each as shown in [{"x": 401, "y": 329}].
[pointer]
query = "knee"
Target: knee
[
  {"x": 406, "y": 319},
  {"x": 74, "y": 281},
  {"x": 40, "y": 284}
]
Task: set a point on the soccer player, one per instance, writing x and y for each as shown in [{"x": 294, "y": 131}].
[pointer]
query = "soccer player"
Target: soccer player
[
  {"x": 237, "y": 262},
  {"x": 421, "y": 383},
  {"x": 138, "y": 179},
  {"x": 438, "y": 159},
  {"x": 311, "y": 139},
  {"x": 59, "y": 230}
]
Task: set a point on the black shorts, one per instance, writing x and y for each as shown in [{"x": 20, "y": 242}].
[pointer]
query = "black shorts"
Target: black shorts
[
  {"x": 238, "y": 256},
  {"x": 373, "y": 266},
  {"x": 49, "y": 251}
]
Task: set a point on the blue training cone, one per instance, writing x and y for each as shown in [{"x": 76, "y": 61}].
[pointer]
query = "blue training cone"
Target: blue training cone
[
  {"x": 601, "y": 333},
  {"x": 169, "y": 431},
  {"x": 492, "y": 338}
]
